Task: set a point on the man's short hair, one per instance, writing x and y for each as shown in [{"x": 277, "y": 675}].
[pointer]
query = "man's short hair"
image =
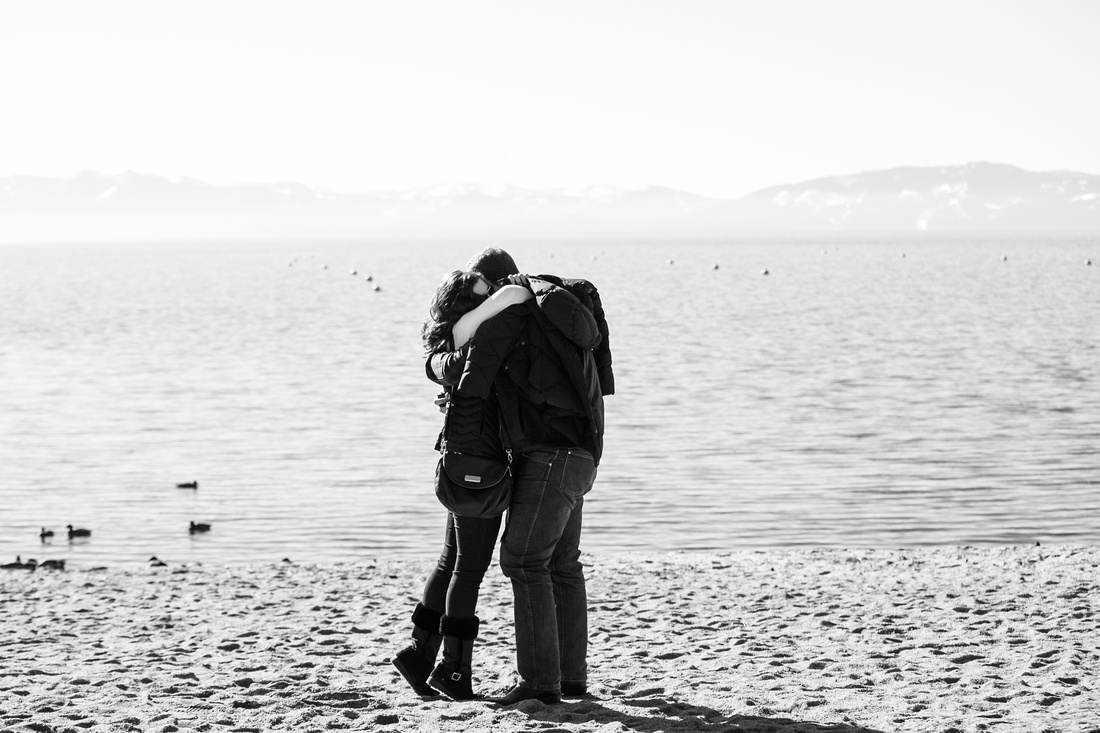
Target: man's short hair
[{"x": 494, "y": 263}]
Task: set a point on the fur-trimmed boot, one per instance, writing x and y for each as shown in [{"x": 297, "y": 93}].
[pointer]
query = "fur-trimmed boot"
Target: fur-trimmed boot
[
  {"x": 415, "y": 662},
  {"x": 452, "y": 676}
]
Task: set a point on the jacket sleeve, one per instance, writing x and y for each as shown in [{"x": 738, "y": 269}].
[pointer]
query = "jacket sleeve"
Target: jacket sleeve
[
  {"x": 602, "y": 352},
  {"x": 566, "y": 312},
  {"x": 589, "y": 297},
  {"x": 446, "y": 368},
  {"x": 494, "y": 341}
]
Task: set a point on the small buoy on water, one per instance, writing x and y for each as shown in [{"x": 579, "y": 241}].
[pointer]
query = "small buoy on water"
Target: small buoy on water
[
  {"x": 377, "y": 288},
  {"x": 1088, "y": 262},
  {"x": 354, "y": 271},
  {"x": 765, "y": 271},
  {"x": 1004, "y": 258},
  {"x": 903, "y": 255},
  {"x": 715, "y": 267},
  {"x": 368, "y": 277}
]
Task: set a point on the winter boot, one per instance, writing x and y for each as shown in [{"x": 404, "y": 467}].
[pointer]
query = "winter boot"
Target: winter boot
[
  {"x": 452, "y": 676},
  {"x": 415, "y": 662}
]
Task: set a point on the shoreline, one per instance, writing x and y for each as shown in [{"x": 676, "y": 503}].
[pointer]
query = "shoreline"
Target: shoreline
[{"x": 852, "y": 641}]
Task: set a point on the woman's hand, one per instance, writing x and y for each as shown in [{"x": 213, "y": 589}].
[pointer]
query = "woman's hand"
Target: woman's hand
[{"x": 524, "y": 281}]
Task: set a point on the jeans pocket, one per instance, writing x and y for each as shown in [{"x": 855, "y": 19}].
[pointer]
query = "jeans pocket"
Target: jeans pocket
[{"x": 574, "y": 473}]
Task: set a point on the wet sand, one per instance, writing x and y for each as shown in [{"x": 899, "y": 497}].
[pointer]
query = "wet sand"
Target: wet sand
[{"x": 961, "y": 639}]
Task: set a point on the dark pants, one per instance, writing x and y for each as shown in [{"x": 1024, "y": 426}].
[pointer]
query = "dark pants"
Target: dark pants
[
  {"x": 452, "y": 587},
  {"x": 541, "y": 554}
]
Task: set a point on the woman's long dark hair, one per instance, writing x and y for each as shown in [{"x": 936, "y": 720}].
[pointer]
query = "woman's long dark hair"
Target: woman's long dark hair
[{"x": 454, "y": 297}]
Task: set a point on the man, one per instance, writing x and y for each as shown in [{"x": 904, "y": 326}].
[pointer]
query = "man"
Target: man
[{"x": 549, "y": 362}]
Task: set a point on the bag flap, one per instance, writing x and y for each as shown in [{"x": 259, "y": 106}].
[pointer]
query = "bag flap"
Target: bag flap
[{"x": 474, "y": 472}]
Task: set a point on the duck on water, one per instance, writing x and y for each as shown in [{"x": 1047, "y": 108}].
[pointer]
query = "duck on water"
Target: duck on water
[{"x": 20, "y": 565}]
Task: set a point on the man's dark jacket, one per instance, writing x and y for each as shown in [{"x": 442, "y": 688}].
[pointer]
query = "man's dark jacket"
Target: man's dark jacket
[{"x": 549, "y": 363}]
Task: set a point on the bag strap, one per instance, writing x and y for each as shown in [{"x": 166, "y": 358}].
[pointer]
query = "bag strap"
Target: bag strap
[
  {"x": 502, "y": 431},
  {"x": 503, "y": 428},
  {"x": 446, "y": 422}
]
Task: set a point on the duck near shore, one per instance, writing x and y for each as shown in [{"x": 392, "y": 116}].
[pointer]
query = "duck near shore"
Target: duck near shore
[
  {"x": 45, "y": 534},
  {"x": 20, "y": 565},
  {"x": 199, "y": 527},
  {"x": 188, "y": 485},
  {"x": 78, "y": 532}
]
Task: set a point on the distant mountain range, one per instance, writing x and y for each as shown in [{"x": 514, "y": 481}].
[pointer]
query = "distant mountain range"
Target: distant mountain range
[{"x": 976, "y": 197}]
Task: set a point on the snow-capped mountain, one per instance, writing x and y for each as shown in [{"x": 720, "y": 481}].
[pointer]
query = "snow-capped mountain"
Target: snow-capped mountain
[
  {"x": 976, "y": 196},
  {"x": 972, "y": 197}
]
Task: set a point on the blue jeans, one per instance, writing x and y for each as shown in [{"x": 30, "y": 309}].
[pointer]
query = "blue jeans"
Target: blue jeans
[
  {"x": 541, "y": 553},
  {"x": 453, "y": 585}
]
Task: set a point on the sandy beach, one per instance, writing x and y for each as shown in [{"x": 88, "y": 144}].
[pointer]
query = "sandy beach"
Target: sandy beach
[{"x": 849, "y": 641}]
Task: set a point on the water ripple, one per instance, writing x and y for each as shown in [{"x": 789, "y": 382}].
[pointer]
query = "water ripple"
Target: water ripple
[{"x": 854, "y": 399}]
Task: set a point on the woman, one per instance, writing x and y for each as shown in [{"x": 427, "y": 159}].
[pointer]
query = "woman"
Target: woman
[{"x": 446, "y": 614}]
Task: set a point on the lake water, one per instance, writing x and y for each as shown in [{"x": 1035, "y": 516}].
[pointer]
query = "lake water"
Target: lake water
[{"x": 863, "y": 393}]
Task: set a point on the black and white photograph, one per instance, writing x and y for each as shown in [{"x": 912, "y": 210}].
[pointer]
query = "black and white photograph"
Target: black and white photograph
[{"x": 617, "y": 366}]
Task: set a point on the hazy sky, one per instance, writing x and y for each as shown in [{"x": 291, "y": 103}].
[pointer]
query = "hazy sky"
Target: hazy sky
[{"x": 718, "y": 98}]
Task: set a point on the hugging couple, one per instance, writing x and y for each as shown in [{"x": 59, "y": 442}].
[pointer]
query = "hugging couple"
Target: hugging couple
[{"x": 525, "y": 364}]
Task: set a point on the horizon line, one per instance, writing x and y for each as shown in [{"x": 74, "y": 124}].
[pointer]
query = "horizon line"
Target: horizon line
[{"x": 503, "y": 184}]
